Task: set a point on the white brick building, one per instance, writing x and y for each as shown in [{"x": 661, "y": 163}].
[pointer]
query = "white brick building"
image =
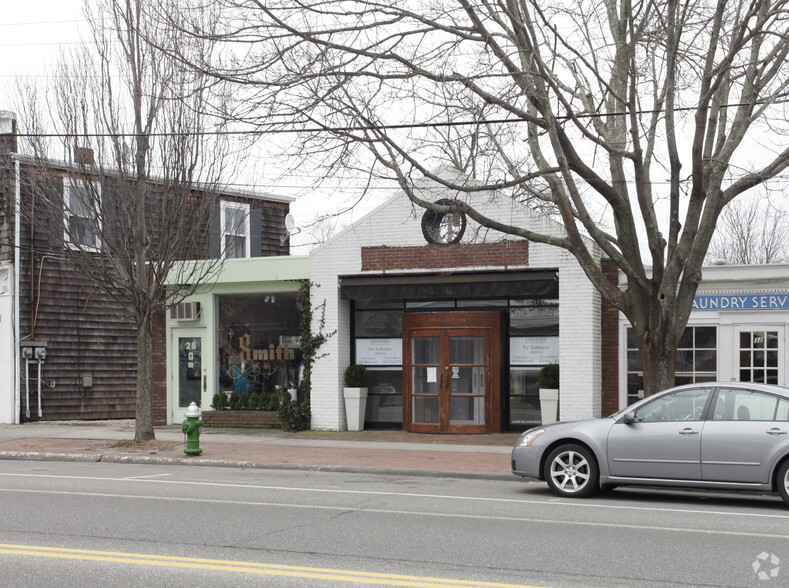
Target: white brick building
[{"x": 391, "y": 296}]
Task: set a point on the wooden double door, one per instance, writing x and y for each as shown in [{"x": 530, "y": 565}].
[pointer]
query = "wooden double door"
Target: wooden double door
[{"x": 451, "y": 372}]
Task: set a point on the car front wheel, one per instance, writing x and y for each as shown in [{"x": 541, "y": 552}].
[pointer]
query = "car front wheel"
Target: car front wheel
[
  {"x": 782, "y": 481},
  {"x": 571, "y": 470}
]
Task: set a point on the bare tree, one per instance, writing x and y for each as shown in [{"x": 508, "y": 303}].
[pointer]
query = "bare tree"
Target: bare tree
[
  {"x": 647, "y": 110},
  {"x": 141, "y": 173},
  {"x": 750, "y": 232}
]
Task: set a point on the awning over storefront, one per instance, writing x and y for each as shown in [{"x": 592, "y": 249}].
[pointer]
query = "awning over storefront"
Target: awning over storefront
[{"x": 522, "y": 284}]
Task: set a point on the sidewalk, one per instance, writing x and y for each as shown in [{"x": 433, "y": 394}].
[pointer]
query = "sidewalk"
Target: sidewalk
[{"x": 392, "y": 452}]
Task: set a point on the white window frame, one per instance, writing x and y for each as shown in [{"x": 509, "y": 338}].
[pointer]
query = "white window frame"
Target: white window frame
[
  {"x": 246, "y": 233},
  {"x": 68, "y": 184}
]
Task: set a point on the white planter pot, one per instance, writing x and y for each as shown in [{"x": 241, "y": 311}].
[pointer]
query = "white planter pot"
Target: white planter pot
[
  {"x": 355, "y": 407},
  {"x": 549, "y": 405}
]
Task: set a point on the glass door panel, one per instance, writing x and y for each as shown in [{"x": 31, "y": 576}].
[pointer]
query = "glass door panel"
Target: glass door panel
[
  {"x": 425, "y": 360},
  {"x": 467, "y": 377},
  {"x": 759, "y": 355},
  {"x": 190, "y": 370}
]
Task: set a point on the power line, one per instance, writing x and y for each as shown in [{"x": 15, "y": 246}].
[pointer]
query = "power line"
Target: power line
[
  {"x": 41, "y": 22},
  {"x": 357, "y": 128}
]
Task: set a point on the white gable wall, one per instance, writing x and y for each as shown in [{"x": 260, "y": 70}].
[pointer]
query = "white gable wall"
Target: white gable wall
[{"x": 397, "y": 223}]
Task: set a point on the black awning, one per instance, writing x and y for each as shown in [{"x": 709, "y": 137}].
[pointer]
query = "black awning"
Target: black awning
[{"x": 523, "y": 284}]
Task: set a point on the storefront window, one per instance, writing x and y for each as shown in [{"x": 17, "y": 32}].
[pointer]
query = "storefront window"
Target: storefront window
[
  {"x": 534, "y": 343},
  {"x": 696, "y": 360},
  {"x": 378, "y": 345},
  {"x": 258, "y": 342}
]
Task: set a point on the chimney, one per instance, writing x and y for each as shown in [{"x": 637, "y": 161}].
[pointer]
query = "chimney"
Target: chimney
[
  {"x": 83, "y": 156},
  {"x": 7, "y": 132}
]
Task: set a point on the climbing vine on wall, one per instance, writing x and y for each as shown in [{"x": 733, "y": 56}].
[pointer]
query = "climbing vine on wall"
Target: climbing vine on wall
[{"x": 296, "y": 416}]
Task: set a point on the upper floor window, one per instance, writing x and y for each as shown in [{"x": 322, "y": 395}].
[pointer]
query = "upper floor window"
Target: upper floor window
[
  {"x": 235, "y": 230},
  {"x": 81, "y": 205}
]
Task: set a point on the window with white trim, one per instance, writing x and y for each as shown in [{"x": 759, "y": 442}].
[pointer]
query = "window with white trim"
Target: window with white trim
[
  {"x": 81, "y": 206},
  {"x": 696, "y": 360},
  {"x": 235, "y": 230}
]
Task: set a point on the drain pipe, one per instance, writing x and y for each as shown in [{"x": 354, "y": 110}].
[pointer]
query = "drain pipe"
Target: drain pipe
[
  {"x": 27, "y": 385},
  {"x": 41, "y": 355},
  {"x": 40, "y": 413},
  {"x": 16, "y": 299}
]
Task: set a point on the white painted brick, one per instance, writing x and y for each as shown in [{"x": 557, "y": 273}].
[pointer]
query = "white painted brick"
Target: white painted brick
[{"x": 397, "y": 223}]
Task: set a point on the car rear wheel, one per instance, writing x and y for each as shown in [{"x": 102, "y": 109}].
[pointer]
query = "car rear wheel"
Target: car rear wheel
[
  {"x": 782, "y": 481},
  {"x": 571, "y": 470}
]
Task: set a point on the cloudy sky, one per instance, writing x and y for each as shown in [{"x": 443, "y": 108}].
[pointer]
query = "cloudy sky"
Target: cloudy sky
[{"x": 34, "y": 32}]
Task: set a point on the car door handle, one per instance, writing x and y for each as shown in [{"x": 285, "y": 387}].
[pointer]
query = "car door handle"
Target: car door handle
[
  {"x": 776, "y": 431},
  {"x": 688, "y": 431}
]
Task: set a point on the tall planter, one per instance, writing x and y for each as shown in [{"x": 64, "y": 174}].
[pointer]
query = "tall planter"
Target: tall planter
[
  {"x": 355, "y": 395},
  {"x": 548, "y": 382}
]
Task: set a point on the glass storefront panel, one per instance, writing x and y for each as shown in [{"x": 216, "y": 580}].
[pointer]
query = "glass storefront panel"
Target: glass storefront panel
[
  {"x": 379, "y": 323},
  {"x": 258, "y": 342},
  {"x": 534, "y": 343},
  {"x": 524, "y": 398},
  {"x": 384, "y": 395}
]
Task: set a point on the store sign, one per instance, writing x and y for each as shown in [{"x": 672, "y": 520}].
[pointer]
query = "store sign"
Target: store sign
[
  {"x": 534, "y": 350},
  {"x": 742, "y": 302},
  {"x": 379, "y": 351}
]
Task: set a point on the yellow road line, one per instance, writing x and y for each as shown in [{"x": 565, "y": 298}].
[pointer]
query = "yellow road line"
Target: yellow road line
[{"x": 246, "y": 567}]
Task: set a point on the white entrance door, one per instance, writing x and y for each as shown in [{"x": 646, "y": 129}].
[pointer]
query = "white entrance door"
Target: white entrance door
[
  {"x": 759, "y": 354},
  {"x": 190, "y": 373}
]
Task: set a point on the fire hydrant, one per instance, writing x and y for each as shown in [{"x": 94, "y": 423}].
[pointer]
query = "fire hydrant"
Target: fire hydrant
[{"x": 191, "y": 429}]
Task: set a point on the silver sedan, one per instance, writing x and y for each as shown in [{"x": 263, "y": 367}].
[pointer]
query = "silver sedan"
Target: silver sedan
[{"x": 720, "y": 435}]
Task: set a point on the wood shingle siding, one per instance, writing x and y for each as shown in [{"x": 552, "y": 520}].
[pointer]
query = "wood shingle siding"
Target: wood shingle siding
[{"x": 90, "y": 338}]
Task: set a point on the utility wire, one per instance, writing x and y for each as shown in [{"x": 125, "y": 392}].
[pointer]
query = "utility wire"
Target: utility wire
[{"x": 354, "y": 128}]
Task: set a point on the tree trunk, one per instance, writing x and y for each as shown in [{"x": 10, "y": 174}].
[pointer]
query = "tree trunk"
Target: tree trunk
[
  {"x": 658, "y": 361},
  {"x": 143, "y": 428}
]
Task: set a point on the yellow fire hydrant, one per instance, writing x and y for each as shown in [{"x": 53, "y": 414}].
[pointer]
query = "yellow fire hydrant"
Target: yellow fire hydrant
[{"x": 191, "y": 429}]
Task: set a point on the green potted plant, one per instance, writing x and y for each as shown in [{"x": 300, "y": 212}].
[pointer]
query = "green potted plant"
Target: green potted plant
[
  {"x": 355, "y": 394},
  {"x": 548, "y": 382}
]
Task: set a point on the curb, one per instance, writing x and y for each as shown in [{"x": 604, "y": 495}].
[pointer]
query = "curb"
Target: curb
[{"x": 196, "y": 461}]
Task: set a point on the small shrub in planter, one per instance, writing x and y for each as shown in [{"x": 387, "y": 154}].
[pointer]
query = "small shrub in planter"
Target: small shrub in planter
[
  {"x": 233, "y": 401},
  {"x": 549, "y": 376},
  {"x": 243, "y": 401},
  {"x": 356, "y": 376},
  {"x": 275, "y": 400},
  {"x": 220, "y": 401},
  {"x": 254, "y": 401}
]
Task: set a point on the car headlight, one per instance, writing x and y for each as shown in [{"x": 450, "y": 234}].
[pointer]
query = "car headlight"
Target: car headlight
[{"x": 526, "y": 439}]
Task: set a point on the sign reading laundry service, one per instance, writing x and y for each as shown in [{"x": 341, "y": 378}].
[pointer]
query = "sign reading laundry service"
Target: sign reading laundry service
[{"x": 742, "y": 302}]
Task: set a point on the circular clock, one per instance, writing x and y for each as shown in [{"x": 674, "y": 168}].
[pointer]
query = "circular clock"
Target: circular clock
[{"x": 443, "y": 228}]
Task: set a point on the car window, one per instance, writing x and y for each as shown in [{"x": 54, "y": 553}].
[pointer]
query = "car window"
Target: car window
[
  {"x": 749, "y": 405},
  {"x": 684, "y": 405},
  {"x": 783, "y": 410}
]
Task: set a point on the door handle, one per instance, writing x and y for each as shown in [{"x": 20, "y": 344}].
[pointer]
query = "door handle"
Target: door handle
[
  {"x": 776, "y": 431},
  {"x": 205, "y": 383},
  {"x": 688, "y": 431}
]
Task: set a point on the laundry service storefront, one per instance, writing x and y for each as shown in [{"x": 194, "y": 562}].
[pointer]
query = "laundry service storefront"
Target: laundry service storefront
[{"x": 736, "y": 331}]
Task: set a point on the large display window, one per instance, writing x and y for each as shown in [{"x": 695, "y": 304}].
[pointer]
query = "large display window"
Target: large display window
[
  {"x": 258, "y": 342},
  {"x": 534, "y": 343},
  {"x": 696, "y": 360}
]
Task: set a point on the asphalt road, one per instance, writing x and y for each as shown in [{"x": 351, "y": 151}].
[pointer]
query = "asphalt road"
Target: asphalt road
[{"x": 91, "y": 524}]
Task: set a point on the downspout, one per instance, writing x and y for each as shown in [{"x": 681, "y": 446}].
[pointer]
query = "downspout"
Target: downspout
[{"x": 15, "y": 303}]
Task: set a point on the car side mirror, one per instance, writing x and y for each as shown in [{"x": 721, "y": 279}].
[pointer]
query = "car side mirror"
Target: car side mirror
[{"x": 629, "y": 418}]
